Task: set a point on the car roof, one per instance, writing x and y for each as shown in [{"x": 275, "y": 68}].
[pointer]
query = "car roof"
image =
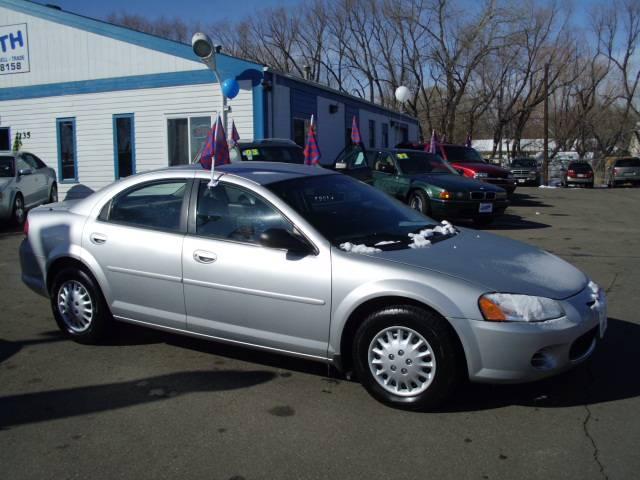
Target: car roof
[
  {"x": 264, "y": 173},
  {"x": 268, "y": 142}
]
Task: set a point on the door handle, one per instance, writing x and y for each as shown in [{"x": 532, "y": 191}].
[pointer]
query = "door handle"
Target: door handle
[
  {"x": 202, "y": 256},
  {"x": 98, "y": 238}
]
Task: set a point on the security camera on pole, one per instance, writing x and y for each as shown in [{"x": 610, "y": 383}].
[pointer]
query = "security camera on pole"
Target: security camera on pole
[{"x": 204, "y": 48}]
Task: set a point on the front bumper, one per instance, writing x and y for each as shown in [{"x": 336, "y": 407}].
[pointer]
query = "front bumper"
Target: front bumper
[
  {"x": 32, "y": 275},
  {"x": 466, "y": 208},
  {"x": 515, "y": 352}
]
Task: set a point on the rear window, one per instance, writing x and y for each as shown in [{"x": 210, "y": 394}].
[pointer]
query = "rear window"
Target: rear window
[
  {"x": 628, "y": 162},
  {"x": 580, "y": 167},
  {"x": 6, "y": 167},
  {"x": 284, "y": 154},
  {"x": 462, "y": 154}
]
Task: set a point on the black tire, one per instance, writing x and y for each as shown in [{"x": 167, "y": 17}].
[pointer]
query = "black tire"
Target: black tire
[
  {"x": 18, "y": 213},
  {"x": 434, "y": 329},
  {"x": 53, "y": 194},
  {"x": 419, "y": 200},
  {"x": 99, "y": 325}
]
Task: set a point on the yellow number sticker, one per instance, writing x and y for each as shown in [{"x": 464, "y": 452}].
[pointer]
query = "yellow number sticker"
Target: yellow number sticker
[{"x": 402, "y": 156}]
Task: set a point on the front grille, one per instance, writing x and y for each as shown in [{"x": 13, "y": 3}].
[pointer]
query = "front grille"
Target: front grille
[
  {"x": 582, "y": 344},
  {"x": 483, "y": 195},
  {"x": 520, "y": 172}
]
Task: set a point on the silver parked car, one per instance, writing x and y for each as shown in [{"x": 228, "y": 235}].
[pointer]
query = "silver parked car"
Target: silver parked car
[
  {"x": 308, "y": 262},
  {"x": 25, "y": 182}
]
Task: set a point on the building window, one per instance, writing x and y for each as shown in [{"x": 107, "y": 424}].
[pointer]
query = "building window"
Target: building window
[
  {"x": 372, "y": 134},
  {"x": 404, "y": 134},
  {"x": 67, "y": 151},
  {"x": 385, "y": 135},
  {"x": 300, "y": 130},
  {"x": 5, "y": 139},
  {"x": 124, "y": 149},
  {"x": 186, "y": 137}
]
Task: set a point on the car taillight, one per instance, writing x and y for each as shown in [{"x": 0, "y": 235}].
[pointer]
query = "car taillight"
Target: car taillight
[
  {"x": 616, "y": 170},
  {"x": 571, "y": 173},
  {"x": 25, "y": 228},
  {"x": 589, "y": 174}
]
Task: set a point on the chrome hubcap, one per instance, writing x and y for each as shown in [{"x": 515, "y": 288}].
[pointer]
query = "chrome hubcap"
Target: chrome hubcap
[
  {"x": 75, "y": 306},
  {"x": 402, "y": 361},
  {"x": 19, "y": 211},
  {"x": 416, "y": 203}
]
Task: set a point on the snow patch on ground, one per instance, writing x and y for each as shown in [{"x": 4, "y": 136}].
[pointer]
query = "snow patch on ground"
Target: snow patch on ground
[
  {"x": 356, "y": 248},
  {"x": 548, "y": 186}
]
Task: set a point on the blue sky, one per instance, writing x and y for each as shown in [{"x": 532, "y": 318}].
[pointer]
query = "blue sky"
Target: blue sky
[{"x": 207, "y": 11}]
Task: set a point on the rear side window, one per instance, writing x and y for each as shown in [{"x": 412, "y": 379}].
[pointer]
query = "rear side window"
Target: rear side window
[
  {"x": 157, "y": 206},
  {"x": 628, "y": 162}
]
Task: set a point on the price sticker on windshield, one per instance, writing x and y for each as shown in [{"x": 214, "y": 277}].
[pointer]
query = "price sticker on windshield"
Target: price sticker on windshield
[{"x": 402, "y": 156}]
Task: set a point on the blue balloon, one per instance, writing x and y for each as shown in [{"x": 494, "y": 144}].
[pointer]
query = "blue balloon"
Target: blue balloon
[{"x": 230, "y": 88}]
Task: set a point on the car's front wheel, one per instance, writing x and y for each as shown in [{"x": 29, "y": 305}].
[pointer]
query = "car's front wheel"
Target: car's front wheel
[
  {"x": 418, "y": 200},
  {"x": 406, "y": 357},
  {"x": 79, "y": 307}
]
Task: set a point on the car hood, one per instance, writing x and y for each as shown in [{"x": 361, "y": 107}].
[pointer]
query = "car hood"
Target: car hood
[
  {"x": 492, "y": 170},
  {"x": 496, "y": 263},
  {"x": 455, "y": 183}
]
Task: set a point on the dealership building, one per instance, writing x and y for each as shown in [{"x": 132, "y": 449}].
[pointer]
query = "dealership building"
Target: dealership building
[{"x": 97, "y": 101}]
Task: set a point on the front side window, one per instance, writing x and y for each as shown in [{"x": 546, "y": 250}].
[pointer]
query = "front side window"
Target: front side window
[
  {"x": 227, "y": 212},
  {"x": 67, "y": 156},
  {"x": 156, "y": 206}
]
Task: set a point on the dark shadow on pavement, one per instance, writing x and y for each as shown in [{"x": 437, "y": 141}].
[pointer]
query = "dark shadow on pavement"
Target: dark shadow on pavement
[
  {"x": 8, "y": 348},
  {"x": 520, "y": 199},
  {"x": 70, "y": 402},
  {"x": 609, "y": 375},
  {"x": 504, "y": 222}
]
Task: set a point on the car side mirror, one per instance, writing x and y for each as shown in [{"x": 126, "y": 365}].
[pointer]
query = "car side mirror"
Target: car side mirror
[
  {"x": 282, "y": 239},
  {"x": 25, "y": 171}
]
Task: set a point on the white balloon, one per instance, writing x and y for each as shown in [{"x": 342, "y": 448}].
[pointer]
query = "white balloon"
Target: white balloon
[{"x": 402, "y": 94}]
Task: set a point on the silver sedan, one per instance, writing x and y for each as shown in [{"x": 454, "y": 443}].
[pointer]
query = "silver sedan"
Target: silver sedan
[
  {"x": 308, "y": 262},
  {"x": 25, "y": 182}
]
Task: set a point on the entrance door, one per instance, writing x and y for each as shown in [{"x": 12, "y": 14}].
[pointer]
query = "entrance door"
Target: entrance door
[
  {"x": 5, "y": 140},
  {"x": 124, "y": 145}
]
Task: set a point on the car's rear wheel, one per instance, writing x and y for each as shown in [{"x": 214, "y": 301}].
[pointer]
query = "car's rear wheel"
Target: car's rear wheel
[
  {"x": 53, "y": 194},
  {"x": 406, "y": 357},
  {"x": 19, "y": 213},
  {"x": 79, "y": 307},
  {"x": 418, "y": 200}
]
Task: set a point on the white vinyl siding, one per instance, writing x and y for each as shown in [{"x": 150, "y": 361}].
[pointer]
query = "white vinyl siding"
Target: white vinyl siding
[{"x": 93, "y": 115}]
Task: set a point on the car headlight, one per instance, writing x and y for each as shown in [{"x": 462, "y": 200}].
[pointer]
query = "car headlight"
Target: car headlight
[
  {"x": 507, "y": 307},
  {"x": 480, "y": 175}
]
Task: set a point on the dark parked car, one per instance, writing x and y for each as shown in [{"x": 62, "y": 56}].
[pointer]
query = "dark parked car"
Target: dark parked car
[
  {"x": 25, "y": 182},
  {"x": 623, "y": 170},
  {"x": 578, "y": 173},
  {"x": 426, "y": 182},
  {"x": 469, "y": 162},
  {"x": 267, "y": 150},
  {"x": 525, "y": 171}
]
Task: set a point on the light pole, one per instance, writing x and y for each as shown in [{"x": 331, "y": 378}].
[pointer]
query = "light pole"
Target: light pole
[{"x": 206, "y": 50}]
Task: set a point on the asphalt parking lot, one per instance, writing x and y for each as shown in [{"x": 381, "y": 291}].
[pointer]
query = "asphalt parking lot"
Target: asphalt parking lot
[{"x": 152, "y": 405}]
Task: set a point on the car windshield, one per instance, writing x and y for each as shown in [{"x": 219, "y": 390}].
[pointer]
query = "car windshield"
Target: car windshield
[
  {"x": 412, "y": 163},
  {"x": 462, "y": 154},
  {"x": 6, "y": 167},
  {"x": 273, "y": 153},
  {"x": 346, "y": 210},
  {"x": 628, "y": 162},
  {"x": 524, "y": 162}
]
